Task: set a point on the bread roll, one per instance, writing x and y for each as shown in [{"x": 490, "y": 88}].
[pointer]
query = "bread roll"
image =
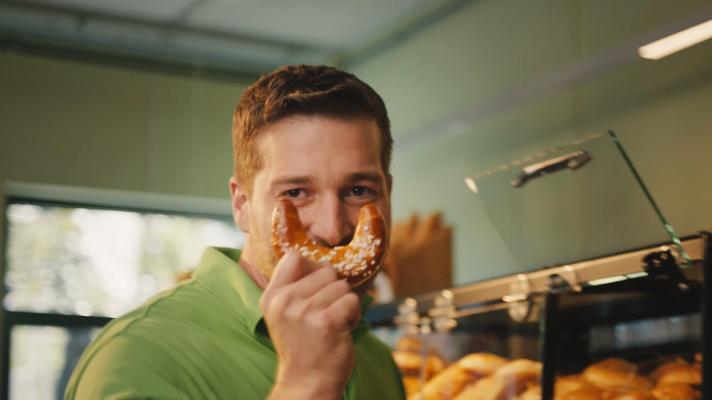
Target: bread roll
[
  {"x": 571, "y": 387},
  {"x": 482, "y": 364},
  {"x": 520, "y": 368},
  {"x": 484, "y": 389},
  {"x": 589, "y": 392},
  {"x": 533, "y": 392},
  {"x": 409, "y": 363},
  {"x": 517, "y": 375},
  {"x": 676, "y": 391},
  {"x": 509, "y": 381},
  {"x": 433, "y": 365},
  {"x": 445, "y": 385},
  {"x": 629, "y": 394},
  {"x": 677, "y": 371},
  {"x": 466, "y": 371},
  {"x": 698, "y": 358},
  {"x": 411, "y": 384},
  {"x": 570, "y": 383},
  {"x": 615, "y": 374},
  {"x": 409, "y": 360}
]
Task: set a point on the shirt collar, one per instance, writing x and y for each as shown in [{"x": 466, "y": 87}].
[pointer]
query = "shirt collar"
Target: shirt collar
[{"x": 221, "y": 275}]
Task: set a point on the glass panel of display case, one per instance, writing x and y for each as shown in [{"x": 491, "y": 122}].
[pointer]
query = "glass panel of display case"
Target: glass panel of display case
[
  {"x": 636, "y": 350},
  {"x": 484, "y": 355},
  {"x": 85, "y": 261},
  {"x": 640, "y": 338},
  {"x": 573, "y": 202}
]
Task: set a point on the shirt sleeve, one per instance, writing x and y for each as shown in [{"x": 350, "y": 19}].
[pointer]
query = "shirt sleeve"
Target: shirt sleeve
[{"x": 126, "y": 368}]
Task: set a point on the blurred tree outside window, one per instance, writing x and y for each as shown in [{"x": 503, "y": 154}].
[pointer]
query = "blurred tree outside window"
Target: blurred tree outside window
[{"x": 81, "y": 261}]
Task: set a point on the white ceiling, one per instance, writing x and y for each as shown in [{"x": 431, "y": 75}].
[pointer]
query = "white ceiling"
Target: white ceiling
[{"x": 244, "y": 35}]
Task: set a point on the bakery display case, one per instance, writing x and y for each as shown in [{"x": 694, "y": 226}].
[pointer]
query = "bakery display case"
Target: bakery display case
[{"x": 608, "y": 303}]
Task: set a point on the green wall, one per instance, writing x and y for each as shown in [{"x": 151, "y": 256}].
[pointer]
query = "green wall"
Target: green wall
[
  {"x": 487, "y": 81},
  {"x": 470, "y": 91},
  {"x": 73, "y": 123}
]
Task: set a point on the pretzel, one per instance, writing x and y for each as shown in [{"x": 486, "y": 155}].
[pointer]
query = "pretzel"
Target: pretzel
[{"x": 355, "y": 262}]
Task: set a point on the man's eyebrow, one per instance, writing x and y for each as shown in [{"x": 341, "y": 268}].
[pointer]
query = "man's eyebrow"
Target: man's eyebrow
[
  {"x": 292, "y": 180},
  {"x": 365, "y": 176}
]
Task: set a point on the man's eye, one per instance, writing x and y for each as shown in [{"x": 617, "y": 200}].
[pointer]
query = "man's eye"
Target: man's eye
[
  {"x": 360, "y": 191},
  {"x": 294, "y": 193}
]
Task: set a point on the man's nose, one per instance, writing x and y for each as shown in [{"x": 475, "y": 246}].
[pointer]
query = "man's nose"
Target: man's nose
[{"x": 330, "y": 224}]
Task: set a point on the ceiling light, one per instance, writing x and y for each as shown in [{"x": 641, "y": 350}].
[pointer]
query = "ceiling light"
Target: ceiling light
[{"x": 677, "y": 41}]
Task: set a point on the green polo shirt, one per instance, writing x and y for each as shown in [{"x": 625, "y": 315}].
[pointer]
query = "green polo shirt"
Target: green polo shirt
[{"x": 205, "y": 339}]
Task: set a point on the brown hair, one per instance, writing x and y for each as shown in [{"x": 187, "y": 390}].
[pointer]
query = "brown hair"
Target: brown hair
[{"x": 302, "y": 90}]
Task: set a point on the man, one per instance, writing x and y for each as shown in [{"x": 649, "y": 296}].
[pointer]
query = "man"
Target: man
[{"x": 248, "y": 325}]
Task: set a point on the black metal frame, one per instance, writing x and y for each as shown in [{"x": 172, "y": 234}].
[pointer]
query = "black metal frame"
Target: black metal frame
[
  {"x": 707, "y": 318},
  {"x": 549, "y": 336}
]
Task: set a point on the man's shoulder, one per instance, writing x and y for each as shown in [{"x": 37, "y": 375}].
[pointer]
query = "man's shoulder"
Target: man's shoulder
[
  {"x": 184, "y": 307},
  {"x": 164, "y": 340},
  {"x": 128, "y": 349},
  {"x": 143, "y": 325}
]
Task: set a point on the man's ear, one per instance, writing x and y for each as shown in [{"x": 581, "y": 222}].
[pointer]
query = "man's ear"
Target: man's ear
[{"x": 240, "y": 205}]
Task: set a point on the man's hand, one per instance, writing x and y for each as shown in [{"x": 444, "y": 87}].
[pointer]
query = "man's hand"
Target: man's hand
[{"x": 310, "y": 314}]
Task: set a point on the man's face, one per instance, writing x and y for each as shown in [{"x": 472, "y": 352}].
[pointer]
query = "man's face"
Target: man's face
[{"x": 327, "y": 167}]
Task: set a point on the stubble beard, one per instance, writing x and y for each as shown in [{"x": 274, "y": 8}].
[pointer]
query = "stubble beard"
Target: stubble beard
[{"x": 263, "y": 255}]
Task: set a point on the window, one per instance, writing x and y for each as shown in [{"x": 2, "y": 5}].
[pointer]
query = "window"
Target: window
[{"x": 70, "y": 266}]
